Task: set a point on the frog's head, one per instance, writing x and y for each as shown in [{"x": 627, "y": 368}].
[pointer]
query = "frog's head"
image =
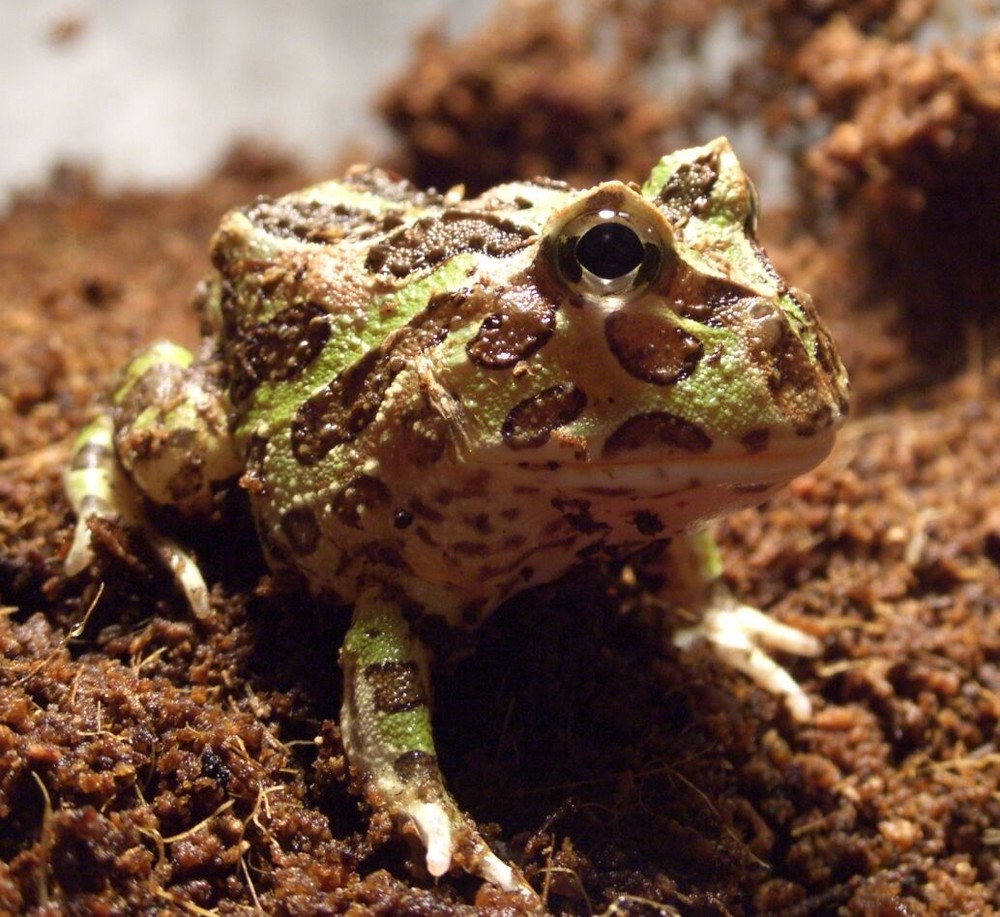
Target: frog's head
[
  {"x": 651, "y": 345},
  {"x": 651, "y": 328}
]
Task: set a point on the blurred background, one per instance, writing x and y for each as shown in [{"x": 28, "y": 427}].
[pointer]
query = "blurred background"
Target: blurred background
[{"x": 154, "y": 92}]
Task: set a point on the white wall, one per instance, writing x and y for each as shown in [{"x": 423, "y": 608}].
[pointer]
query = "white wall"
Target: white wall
[{"x": 153, "y": 92}]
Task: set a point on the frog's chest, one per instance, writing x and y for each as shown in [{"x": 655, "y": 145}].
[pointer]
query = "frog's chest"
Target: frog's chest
[{"x": 401, "y": 503}]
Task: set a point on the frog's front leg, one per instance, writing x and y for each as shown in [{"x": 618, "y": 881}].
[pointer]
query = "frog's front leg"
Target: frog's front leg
[
  {"x": 736, "y": 632},
  {"x": 386, "y": 725},
  {"x": 163, "y": 437}
]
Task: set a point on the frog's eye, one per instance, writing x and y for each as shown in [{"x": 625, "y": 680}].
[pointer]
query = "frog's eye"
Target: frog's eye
[{"x": 608, "y": 253}]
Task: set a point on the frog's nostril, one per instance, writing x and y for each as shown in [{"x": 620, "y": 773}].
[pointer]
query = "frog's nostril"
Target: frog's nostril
[{"x": 610, "y": 250}]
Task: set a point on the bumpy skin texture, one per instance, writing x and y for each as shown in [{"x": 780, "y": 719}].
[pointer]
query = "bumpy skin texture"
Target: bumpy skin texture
[{"x": 435, "y": 403}]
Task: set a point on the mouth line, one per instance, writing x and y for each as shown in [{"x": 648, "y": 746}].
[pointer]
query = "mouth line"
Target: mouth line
[
  {"x": 650, "y": 468},
  {"x": 768, "y": 458}
]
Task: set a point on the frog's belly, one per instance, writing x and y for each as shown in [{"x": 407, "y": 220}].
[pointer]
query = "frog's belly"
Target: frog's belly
[{"x": 459, "y": 537}]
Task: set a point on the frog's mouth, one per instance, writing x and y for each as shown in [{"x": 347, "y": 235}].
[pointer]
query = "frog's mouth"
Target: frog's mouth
[
  {"x": 651, "y": 470},
  {"x": 628, "y": 502}
]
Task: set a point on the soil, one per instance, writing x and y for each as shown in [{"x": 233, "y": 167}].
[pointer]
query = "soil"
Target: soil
[{"x": 150, "y": 762}]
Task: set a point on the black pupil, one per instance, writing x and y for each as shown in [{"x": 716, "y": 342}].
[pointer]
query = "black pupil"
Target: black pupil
[{"x": 610, "y": 250}]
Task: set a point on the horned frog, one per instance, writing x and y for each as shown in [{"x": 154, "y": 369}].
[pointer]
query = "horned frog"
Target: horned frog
[{"x": 433, "y": 403}]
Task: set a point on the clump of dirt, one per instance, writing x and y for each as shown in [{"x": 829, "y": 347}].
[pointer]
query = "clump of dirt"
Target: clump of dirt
[
  {"x": 912, "y": 157},
  {"x": 149, "y": 760},
  {"x": 483, "y": 110}
]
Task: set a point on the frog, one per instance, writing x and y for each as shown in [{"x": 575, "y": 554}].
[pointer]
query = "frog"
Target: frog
[{"x": 433, "y": 402}]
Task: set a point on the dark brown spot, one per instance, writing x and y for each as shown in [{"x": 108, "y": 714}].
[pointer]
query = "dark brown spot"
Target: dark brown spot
[
  {"x": 385, "y": 555},
  {"x": 301, "y": 529},
  {"x": 443, "y": 496},
  {"x": 476, "y": 483},
  {"x": 688, "y": 191},
  {"x": 655, "y": 431},
  {"x": 397, "y": 686},
  {"x": 307, "y": 220},
  {"x": 276, "y": 350},
  {"x": 416, "y": 767},
  {"x": 360, "y": 496},
  {"x": 505, "y": 338},
  {"x": 608, "y": 491},
  {"x": 578, "y": 516},
  {"x": 423, "y": 511},
  {"x": 338, "y": 413},
  {"x": 756, "y": 440},
  {"x": 428, "y": 241},
  {"x": 422, "y": 434},
  {"x": 794, "y": 383},
  {"x": 553, "y": 527},
  {"x": 424, "y": 534},
  {"x": 709, "y": 300},
  {"x": 530, "y": 423},
  {"x": 651, "y": 346},
  {"x": 648, "y": 523},
  {"x": 480, "y": 523},
  {"x": 401, "y": 519},
  {"x": 91, "y": 455}
]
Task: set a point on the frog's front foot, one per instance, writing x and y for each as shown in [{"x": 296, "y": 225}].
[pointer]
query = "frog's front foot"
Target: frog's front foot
[
  {"x": 739, "y": 633},
  {"x": 162, "y": 440},
  {"x": 385, "y": 723}
]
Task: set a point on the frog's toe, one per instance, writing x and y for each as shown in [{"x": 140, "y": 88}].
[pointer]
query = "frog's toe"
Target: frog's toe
[
  {"x": 442, "y": 829},
  {"x": 433, "y": 824},
  {"x": 495, "y": 870},
  {"x": 186, "y": 572},
  {"x": 738, "y": 634}
]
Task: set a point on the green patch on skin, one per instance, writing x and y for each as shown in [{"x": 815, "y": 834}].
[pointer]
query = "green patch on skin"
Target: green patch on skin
[
  {"x": 162, "y": 352},
  {"x": 379, "y": 634},
  {"x": 392, "y": 311}
]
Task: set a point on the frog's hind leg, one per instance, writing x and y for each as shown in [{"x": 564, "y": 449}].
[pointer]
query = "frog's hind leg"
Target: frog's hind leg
[
  {"x": 163, "y": 437},
  {"x": 386, "y": 727}
]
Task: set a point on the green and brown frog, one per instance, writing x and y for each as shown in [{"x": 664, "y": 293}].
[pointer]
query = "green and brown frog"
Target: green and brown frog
[{"x": 433, "y": 403}]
